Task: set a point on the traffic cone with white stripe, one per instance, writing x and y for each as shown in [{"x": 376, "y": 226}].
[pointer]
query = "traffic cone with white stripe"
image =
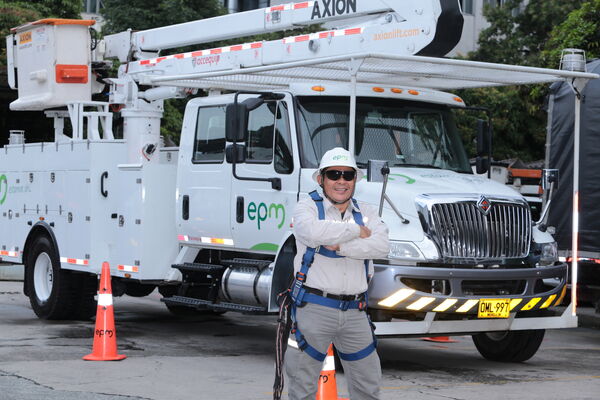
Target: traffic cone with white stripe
[
  {"x": 105, "y": 334},
  {"x": 327, "y": 385}
]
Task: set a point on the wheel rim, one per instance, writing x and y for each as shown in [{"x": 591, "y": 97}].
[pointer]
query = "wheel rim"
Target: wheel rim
[{"x": 43, "y": 277}]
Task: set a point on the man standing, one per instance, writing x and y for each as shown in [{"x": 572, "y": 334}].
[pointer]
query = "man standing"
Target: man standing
[{"x": 335, "y": 238}]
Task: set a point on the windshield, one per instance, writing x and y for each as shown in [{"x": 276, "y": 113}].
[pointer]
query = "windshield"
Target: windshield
[{"x": 404, "y": 133}]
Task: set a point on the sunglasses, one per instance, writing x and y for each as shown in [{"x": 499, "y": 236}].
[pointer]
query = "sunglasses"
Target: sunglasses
[{"x": 334, "y": 175}]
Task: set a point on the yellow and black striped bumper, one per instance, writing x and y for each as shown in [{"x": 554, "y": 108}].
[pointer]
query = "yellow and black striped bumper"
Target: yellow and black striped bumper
[{"x": 387, "y": 291}]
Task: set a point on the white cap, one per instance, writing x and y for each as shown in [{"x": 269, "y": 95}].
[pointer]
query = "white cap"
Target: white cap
[{"x": 337, "y": 157}]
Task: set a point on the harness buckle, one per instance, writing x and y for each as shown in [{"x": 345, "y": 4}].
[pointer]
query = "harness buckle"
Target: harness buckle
[
  {"x": 362, "y": 306},
  {"x": 344, "y": 305}
]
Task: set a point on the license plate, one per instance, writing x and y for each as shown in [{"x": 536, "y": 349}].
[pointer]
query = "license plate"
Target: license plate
[{"x": 494, "y": 308}]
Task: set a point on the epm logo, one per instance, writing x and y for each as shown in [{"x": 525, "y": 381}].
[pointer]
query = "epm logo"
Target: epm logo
[
  {"x": 331, "y": 8},
  {"x": 3, "y": 188},
  {"x": 262, "y": 212}
]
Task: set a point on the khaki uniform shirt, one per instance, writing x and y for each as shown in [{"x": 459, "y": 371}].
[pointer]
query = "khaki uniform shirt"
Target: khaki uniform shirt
[{"x": 346, "y": 275}]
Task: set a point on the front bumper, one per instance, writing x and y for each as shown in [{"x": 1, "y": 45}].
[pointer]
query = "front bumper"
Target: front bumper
[{"x": 387, "y": 291}]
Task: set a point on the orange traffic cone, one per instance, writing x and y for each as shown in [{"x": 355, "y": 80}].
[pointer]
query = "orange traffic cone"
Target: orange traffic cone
[
  {"x": 105, "y": 334},
  {"x": 439, "y": 339},
  {"x": 327, "y": 386}
]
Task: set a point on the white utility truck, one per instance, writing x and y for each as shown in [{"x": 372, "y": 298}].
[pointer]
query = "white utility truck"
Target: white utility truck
[{"x": 210, "y": 223}]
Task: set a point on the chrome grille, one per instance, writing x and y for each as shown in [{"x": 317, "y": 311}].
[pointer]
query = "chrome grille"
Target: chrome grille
[{"x": 461, "y": 230}]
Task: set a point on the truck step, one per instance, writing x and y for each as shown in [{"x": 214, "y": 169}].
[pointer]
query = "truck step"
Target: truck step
[
  {"x": 246, "y": 262},
  {"x": 196, "y": 267},
  {"x": 205, "y": 304}
]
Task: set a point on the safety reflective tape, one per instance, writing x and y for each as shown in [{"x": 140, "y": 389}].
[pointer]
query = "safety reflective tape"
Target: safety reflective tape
[
  {"x": 183, "y": 238},
  {"x": 419, "y": 304},
  {"x": 467, "y": 306},
  {"x": 128, "y": 268},
  {"x": 202, "y": 53},
  {"x": 292, "y": 343},
  {"x": 289, "y": 6},
  {"x": 105, "y": 299},
  {"x": 9, "y": 253},
  {"x": 396, "y": 298},
  {"x": 209, "y": 240},
  {"x": 74, "y": 261},
  {"x": 328, "y": 364},
  {"x": 548, "y": 302},
  {"x": 323, "y": 35},
  {"x": 514, "y": 303},
  {"x": 446, "y": 304},
  {"x": 531, "y": 304}
]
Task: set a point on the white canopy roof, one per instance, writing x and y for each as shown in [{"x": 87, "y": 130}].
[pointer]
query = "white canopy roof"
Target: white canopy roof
[{"x": 372, "y": 68}]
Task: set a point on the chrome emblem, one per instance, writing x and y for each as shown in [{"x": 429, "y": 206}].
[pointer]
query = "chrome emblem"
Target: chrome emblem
[{"x": 484, "y": 205}]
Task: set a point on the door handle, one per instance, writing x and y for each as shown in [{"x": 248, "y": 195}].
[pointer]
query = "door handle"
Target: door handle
[
  {"x": 239, "y": 208},
  {"x": 185, "y": 208}
]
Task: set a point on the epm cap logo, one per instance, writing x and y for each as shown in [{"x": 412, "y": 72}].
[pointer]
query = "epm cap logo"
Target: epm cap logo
[{"x": 3, "y": 188}]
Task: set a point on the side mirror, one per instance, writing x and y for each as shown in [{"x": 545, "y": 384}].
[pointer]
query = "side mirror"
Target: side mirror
[
  {"x": 236, "y": 125},
  {"x": 483, "y": 138},
  {"x": 549, "y": 176},
  {"x": 240, "y": 153},
  {"x": 482, "y": 165},
  {"x": 376, "y": 170}
]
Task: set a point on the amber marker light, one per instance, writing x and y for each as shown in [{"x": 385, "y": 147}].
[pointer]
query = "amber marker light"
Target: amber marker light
[
  {"x": 413, "y": 92},
  {"x": 378, "y": 89},
  {"x": 458, "y": 100},
  {"x": 396, "y": 90},
  {"x": 318, "y": 88}
]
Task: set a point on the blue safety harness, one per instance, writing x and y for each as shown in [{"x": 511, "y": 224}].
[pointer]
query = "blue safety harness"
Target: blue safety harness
[{"x": 300, "y": 296}]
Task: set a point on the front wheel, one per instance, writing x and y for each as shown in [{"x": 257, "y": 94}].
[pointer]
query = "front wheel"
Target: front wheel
[
  {"x": 53, "y": 292},
  {"x": 509, "y": 346}
]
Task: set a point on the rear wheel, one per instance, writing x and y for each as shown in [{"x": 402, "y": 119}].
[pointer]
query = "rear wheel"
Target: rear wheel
[
  {"x": 509, "y": 346},
  {"x": 55, "y": 293}
]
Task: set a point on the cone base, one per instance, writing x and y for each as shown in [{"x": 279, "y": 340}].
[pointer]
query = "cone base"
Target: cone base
[
  {"x": 439, "y": 339},
  {"x": 93, "y": 357}
]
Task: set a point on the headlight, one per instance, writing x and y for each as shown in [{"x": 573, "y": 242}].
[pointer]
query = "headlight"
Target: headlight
[
  {"x": 404, "y": 250},
  {"x": 549, "y": 253}
]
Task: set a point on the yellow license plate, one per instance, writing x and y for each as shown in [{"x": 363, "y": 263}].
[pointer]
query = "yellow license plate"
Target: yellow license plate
[{"x": 494, "y": 308}]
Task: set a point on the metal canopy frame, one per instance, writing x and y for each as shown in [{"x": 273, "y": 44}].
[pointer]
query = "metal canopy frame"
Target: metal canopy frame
[{"x": 369, "y": 68}]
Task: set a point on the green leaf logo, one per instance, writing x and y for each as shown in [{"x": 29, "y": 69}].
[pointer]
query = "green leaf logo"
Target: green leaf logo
[{"x": 3, "y": 188}]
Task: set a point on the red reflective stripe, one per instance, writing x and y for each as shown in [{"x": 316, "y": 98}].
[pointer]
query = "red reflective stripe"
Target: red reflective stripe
[
  {"x": 197, "y": 53},
  {"x": 256, "y": 45},
  {"x": 302, "y": 38},
  {"x": 236, "y": 48},
  {"x": 144, "y": 62},
  {"x": 86, "y": 262},
  {"x": 71, "y": 261},
  {"x": 352, "y": 31},
  {"x": 301, "y": 5},
  {"x": 159, "y": 59},
  {"x": 178, "y": 56},
  {"x": 277, "y": 8},
  {"x": 324, "y": 35},
  {"x": 216, "y": 51}
]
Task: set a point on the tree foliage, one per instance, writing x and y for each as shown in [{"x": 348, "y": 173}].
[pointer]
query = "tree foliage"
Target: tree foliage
[
  {"x": 518, "y": 34},
  {"x": 580, "y": 30},
  {"x": 142, "y": 14}
]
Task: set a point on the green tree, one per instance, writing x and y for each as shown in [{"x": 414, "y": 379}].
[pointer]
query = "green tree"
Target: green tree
[
  {"x": 142, "y": 14},
  {"x": 580, "y": 30},
  {"x": 517, "y": 34}
]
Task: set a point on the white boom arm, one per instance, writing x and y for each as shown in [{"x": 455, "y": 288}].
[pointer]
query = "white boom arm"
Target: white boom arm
[{"x": 429, "y": 16}]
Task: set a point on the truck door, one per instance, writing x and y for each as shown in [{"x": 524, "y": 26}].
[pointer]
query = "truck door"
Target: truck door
[
  {"x": 203, "y": 178},
  {"x": 262, "y": 214}
]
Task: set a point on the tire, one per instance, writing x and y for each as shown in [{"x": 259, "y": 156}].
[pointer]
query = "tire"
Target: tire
[
  {"x": 55, "y": 293},
  {"x": 134, "y": 289},
  {"x": 509, "y": 346}
]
